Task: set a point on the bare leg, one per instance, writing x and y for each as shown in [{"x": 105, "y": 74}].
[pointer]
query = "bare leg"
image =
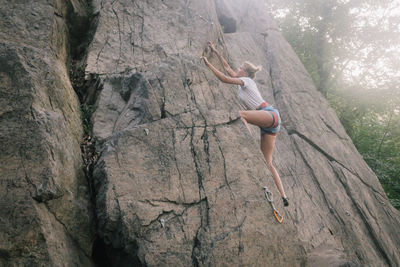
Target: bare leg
[
  {"x": 264, "y": 119},
  {"x": 247, "y": 125},
  {"x": 267, "y": 146},
  {"x": 257, "y": 117}
]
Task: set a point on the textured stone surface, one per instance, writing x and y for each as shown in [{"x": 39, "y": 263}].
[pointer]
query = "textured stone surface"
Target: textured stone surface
[
  {"x": 337, "y": 184},
  {"x": 44, "y": 201},
  {"x": 179, "y": 180}
]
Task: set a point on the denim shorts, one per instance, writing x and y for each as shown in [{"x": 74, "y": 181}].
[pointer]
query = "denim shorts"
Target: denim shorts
[{"x": 275, "y": 114}]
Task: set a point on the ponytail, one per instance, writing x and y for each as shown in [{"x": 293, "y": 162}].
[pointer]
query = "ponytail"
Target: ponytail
[{"x": 251, "y": 69}]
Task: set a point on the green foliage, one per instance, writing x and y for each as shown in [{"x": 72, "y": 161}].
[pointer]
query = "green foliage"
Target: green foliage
[
  {"x": 86, "y": 115},
  {"x": 377, "y": 138},
  {"x": 351, "y": 50},
  {"x": 384, "y": 159}
]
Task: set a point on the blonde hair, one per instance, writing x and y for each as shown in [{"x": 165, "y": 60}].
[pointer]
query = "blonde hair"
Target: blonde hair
[{"x": 251, "y": 69}]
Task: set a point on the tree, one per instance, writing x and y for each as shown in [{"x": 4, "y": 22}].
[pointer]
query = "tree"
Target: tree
[{"x": 351, "y": 50}]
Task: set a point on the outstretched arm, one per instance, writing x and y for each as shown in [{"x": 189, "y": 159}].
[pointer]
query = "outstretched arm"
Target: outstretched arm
[
  {"x": 223, "y": 61},
  {"x": 222, "y": 77}
]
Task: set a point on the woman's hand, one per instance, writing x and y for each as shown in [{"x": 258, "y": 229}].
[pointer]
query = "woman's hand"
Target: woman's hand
[
  {"x": 221, "y": 76},
  {"x": 211, "y": 45},
  {"x": 205, "y": 61},
  {"x": 222, "y": 60}
]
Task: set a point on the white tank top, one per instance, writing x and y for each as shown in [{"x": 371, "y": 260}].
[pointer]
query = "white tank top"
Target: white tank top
[{"x": 248, "y": 94}]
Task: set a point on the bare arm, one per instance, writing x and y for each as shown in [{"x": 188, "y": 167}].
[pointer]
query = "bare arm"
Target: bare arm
[
  {"x": 223, "y": 61},
  {"x": 222, "y": 77}
]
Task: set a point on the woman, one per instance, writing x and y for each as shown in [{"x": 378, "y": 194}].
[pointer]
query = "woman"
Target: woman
[{"x": 257, "y": 112}]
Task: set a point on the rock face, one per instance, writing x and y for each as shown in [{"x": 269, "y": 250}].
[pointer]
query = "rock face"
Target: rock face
[
  {"x": 179, "y": 180},
  {"x": 45, "y": 212}
]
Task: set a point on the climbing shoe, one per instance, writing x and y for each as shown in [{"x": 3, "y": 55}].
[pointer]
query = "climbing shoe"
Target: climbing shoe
[{"x": 285, "y": 201}]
